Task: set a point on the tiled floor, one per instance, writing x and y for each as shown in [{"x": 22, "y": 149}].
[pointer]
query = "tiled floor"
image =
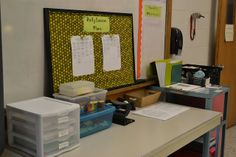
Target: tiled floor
[{"x": 230, "y": 142}]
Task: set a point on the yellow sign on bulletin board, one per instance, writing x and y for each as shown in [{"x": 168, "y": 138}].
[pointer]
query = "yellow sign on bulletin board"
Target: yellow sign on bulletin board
[
  {"x": 61, "y": 25},
  {"x": 96, "y": 24},
  {"x": 152, "y": 11}
]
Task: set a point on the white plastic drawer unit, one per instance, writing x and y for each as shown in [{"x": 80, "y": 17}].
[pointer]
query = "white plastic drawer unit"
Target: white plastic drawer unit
[{"x": 43, "y": 127}]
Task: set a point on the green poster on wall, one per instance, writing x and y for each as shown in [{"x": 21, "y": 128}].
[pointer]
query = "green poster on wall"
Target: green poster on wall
[{"x": 96, "y": 24}]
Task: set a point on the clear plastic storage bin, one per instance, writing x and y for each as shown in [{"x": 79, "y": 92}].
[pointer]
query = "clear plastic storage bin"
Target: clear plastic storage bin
[
  {"x": 43, "y": 127},
  {"x": 88, "y": 102},
  {"x": 96, "y": 121}
]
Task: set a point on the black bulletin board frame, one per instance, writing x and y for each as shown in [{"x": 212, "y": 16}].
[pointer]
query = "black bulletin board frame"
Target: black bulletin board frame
[{"x": 60, "y": 67}]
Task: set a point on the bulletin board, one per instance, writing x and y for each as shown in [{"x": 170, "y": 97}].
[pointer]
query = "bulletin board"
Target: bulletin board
[{"x": 61, "y": 25}]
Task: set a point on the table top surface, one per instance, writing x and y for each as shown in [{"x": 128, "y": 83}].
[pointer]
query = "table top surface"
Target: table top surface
[{"x": 146, "y": 136}]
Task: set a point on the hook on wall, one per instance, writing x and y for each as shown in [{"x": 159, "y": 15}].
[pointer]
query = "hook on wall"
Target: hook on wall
[{"x": 193, "y": 19}]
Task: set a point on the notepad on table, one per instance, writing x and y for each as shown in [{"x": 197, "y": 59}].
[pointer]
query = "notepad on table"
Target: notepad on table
[
  {"x": 162, "y": 110},
  {"x": 184, "y": 87}
]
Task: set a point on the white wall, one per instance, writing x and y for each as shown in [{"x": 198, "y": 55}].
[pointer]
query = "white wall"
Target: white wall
[
  {"x": 153, "y": 35},
  {"x": 200, "y": 50},
  {"x": 23, "y": 40}
]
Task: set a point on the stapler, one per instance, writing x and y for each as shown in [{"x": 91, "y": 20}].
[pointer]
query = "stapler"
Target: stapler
[
  {"x": 131, "y": 102},
  {"x": 121, "y": 112}
]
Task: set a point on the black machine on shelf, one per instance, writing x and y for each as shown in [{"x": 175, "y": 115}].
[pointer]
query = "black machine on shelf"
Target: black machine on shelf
[{"x": 212, "y": 72}]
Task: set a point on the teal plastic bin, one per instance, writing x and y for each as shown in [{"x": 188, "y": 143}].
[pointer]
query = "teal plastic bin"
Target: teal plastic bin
[{"x": 91, "y": 123}]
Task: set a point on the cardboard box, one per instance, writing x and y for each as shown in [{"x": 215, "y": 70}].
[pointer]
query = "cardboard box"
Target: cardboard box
[{"x": 143, "y": 97}]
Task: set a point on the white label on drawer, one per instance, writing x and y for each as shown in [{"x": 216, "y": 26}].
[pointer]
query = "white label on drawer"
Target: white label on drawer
[
  {"x": 63, "y": 119},
  {"x": 63, "y": 133},
  {"x": 63, "y": 145}
]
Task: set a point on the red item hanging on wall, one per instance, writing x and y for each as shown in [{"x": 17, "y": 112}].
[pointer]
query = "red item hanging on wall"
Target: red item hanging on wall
[{"x": 193, "y": 19}]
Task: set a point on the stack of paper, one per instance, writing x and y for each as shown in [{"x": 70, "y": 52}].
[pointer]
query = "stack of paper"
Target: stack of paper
[
  {"x": 184, "y": 87},
  {"x": 162, "y": 110}
]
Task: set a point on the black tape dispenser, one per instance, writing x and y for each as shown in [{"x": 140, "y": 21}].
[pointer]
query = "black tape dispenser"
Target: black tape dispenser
[{"x": 122, "y": 110}]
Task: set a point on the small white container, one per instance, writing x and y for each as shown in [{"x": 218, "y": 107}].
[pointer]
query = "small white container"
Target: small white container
[
  {"x": 76, "y": 88},
  {"x": 43, "y": 127}
]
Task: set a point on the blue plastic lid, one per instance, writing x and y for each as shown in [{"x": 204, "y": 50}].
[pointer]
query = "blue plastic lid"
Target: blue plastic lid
[{"x": 107, "y": 110}]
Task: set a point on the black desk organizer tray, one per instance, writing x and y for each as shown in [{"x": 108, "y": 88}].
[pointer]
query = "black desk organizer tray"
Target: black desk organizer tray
[{"x": 212, "y": 72}]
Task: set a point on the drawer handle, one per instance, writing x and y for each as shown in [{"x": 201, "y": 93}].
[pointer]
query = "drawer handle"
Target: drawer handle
[
  {"x": 63, "y": 145},
  {"x": 63, "y": 119},
  {"x": 63, "y": 133}
]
